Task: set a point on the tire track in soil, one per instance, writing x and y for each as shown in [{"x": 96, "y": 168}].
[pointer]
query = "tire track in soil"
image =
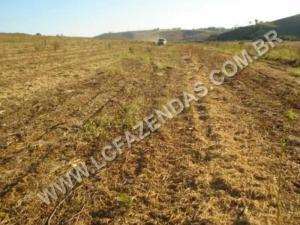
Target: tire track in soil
[
  {"x": 180, "y": 176},
  {"x": 138, "y": 154}
]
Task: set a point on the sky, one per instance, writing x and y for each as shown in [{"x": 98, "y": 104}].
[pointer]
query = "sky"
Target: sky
[{"x": 93, "y": 17}]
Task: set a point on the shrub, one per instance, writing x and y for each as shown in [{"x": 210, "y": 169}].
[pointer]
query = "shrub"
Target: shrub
[{"x": 131, "y": 50}]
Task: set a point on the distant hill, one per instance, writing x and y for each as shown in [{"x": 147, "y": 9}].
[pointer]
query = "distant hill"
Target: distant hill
[
  {"x": 173, "y": 35},
  {"x": 287, "y": 28},
  {"x": 13, "y": 34}
]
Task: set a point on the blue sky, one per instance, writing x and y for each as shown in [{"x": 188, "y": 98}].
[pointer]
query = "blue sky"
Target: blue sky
[{"x": 93, "y": 17}]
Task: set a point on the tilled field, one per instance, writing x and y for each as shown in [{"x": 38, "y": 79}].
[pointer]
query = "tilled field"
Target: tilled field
[{"x": 231, "y": 158}]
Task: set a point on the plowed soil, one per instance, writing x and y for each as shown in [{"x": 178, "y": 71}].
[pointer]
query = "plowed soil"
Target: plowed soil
[{"x": 232, "y": 158}]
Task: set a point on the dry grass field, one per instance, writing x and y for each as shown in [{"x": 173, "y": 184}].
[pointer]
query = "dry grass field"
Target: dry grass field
[{"x": 232, "y": 158}]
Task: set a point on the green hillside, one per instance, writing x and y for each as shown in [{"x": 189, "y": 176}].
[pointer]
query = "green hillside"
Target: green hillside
[{"x": 287, "y": 28}]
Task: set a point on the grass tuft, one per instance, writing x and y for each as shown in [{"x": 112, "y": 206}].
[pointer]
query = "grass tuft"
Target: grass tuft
[
  {"x": 291, "y": 115},
  {"x": 124, "y": 200},
  {"x": 295, "y": 72}
]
